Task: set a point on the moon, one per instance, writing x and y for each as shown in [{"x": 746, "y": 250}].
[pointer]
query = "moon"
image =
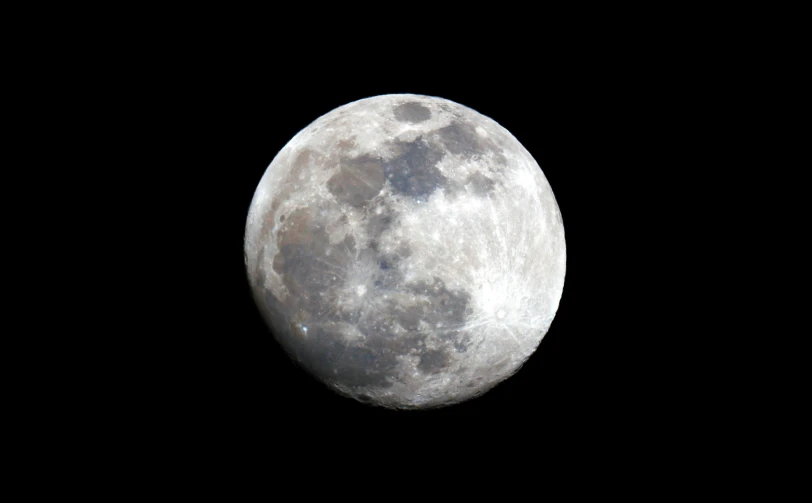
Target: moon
[{"x": 406, "y": 250}]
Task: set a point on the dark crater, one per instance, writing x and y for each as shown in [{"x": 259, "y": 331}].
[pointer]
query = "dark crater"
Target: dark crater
[{"x": 412, "y": 112}]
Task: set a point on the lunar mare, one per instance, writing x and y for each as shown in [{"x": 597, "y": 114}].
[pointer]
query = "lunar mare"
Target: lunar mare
[{"x": 406, "y": 250}]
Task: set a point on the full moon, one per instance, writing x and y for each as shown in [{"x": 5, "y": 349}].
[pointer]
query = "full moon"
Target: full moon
[{"x": 406, "y": 250}]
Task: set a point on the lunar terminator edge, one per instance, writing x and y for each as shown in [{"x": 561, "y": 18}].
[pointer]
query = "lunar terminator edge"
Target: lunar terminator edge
[{"x": 406, "y": 250}]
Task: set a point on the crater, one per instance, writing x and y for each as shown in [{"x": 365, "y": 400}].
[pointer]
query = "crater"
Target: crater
[{"x": 412, "y": 112}]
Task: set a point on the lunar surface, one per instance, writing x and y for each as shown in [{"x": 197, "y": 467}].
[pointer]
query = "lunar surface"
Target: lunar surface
[{"x": 406, "y": 250}]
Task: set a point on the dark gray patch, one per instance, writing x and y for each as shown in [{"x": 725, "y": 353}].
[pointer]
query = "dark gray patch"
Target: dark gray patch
[
  {"x": 378, "y": 222},
  {"x": 499, "y": 366},
  {"x": 480, "y": 184},
  {"x": 299, "y": 167},
  {"x": 389, "y": 276},
  {"x": 325, "y": 355},
  {"x": 461, "y": 138},
  {"x": 432, "y": 361},
  {"x": 314, "y": 279},
  {"x": 359, "y": 366},
  {"x": 409, "y": 317},
  {"x": 448, "y": 307},
  {"x": 454, "y": 189},
  {"x": 357, "y": 181},
  {"x": 307, "y": 263},
  {"x": 412, "y": 112},
  {"x": 413, "y": 170},
  {"x": 404, "y": 250},
  {"x": 461, "y": 344},
  {"x": 346, "y": 144},
  {"x": 367, "y": 256},
  {"x": 383, "y": 339},
  {"x": 444, "y": 312},
  {"x": 314, "y": 272}
]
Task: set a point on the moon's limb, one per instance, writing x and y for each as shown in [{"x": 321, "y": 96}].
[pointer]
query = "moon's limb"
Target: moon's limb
[{"x": 406, "y": 250}]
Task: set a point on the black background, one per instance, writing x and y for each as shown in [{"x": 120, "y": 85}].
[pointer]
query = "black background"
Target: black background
[
  {"x": 210, "y": 373},
  {"x": 163, "y": 368}
]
